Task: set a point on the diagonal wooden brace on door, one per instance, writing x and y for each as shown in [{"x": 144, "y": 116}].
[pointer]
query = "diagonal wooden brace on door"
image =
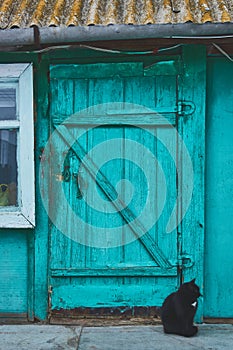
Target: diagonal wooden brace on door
[{"x": 136, "y": 226}]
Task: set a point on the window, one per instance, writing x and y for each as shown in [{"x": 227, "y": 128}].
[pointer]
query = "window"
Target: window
[{"x": 17, "y": 197}]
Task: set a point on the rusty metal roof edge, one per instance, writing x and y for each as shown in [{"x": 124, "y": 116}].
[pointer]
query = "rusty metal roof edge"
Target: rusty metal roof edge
[
  {"x": 15, "y": 37},
  {"x": 121, "y": 32},
  {"x": 55, "y": 35}
]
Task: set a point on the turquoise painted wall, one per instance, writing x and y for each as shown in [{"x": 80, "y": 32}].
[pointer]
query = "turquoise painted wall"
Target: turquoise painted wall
[
  {"x": 13, "y": 272},
  {"x": 219, "y": 190},
  {"x": 23, "y": 286}
]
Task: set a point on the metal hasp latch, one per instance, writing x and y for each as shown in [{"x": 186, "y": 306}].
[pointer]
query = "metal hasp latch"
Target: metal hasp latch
[
  {"x": 185, "y": 108},
  {"x": 185, "y": 261}
]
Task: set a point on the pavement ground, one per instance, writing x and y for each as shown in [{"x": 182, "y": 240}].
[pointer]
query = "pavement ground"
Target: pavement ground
[{"x": 53, "y": 337}]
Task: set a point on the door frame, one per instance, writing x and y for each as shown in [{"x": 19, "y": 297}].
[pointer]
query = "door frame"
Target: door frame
[{"x": 194, "y": 89}]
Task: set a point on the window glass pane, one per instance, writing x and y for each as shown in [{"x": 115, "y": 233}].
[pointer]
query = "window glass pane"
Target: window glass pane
[
  {"x": 8, "y": 168},
  {"x": 7, "y": 103}
]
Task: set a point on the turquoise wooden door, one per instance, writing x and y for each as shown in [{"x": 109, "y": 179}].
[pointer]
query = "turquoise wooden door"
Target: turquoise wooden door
[{"x": 116, "y": 179}]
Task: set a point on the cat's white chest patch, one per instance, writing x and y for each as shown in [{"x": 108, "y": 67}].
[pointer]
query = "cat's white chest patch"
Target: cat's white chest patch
[{"x": 194, "y": 304}]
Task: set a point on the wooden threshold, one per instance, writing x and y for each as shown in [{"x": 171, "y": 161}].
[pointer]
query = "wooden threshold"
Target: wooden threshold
[
  {"x": 13, "y": 318},
  {"x": 121, "y": 315}
]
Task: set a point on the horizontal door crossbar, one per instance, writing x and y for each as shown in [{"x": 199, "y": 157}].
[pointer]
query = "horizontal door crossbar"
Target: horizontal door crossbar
[
  {"x": 112, "y": 271},
  {"x": 121, "y": 118}
]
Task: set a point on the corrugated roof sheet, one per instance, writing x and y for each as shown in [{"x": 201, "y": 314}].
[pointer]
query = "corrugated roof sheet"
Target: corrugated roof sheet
[{"x": 44, "y": 13}]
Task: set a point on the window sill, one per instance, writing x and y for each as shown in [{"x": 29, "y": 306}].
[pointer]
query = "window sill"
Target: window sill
[{"x": 14, "y": 220}]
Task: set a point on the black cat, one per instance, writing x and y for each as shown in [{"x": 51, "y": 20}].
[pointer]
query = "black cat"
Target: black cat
[{"x": 179, "y": 308}]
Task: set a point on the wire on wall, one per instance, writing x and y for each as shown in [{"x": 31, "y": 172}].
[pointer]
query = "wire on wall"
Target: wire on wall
[
  {"x": 223, "y": 52},
  {"x": 122, "y": 52}
]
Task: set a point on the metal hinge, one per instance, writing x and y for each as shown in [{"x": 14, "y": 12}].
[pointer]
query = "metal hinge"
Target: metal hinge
[
  {"x": 185, "y": 261},
  {"x": 185, "y": 108}
]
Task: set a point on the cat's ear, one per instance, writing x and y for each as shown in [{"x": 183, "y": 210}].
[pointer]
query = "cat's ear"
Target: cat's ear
[{"x": 193, "y": 280}]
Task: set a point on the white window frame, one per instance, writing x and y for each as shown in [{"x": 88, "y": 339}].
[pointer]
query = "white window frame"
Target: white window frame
[{"x": 22, "y": 215}]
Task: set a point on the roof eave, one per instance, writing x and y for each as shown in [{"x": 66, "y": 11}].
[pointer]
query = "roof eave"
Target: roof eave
[{"x": 56, "y": 35}]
